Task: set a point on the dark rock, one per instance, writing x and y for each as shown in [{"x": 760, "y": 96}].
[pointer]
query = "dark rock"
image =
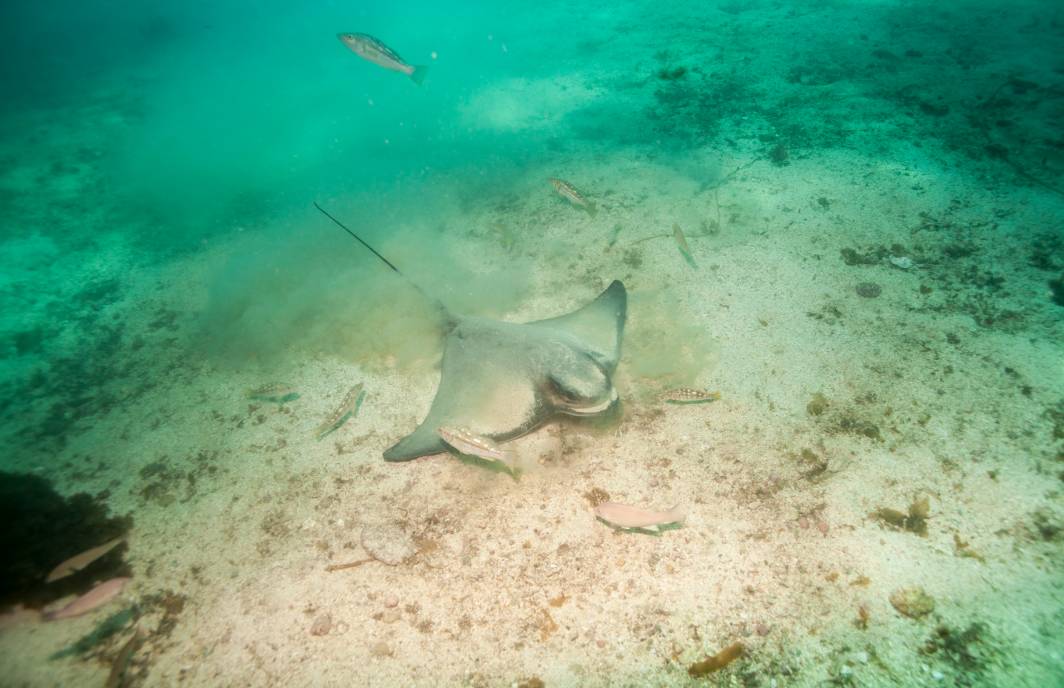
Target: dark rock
[{"x": 869, "y": 290}]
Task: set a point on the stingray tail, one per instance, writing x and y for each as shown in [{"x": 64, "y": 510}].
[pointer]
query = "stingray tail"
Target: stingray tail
[{"x": 449, "y": 319}]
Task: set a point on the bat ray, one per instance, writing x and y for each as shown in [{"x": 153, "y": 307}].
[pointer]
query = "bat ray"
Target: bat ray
[{"x": 503, "y": 380}]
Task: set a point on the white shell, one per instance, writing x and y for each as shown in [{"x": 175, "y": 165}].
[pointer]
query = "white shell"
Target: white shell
[{"x": 903, "y": 262}]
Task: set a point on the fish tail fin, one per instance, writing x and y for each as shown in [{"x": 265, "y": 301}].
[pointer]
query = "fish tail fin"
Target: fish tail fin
[
  {"x": 677, "y": 514},
  {"x": 419, "y": 74}
]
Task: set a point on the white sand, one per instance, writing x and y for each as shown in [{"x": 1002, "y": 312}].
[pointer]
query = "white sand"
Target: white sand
[{"x": 516, "y": 579}]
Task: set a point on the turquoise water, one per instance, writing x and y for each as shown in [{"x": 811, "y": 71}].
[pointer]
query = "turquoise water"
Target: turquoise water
[{"x": 846, "y": 218}]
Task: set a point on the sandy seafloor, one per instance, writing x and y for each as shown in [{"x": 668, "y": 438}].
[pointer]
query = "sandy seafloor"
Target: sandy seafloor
[{"x": 787, "y": 140}]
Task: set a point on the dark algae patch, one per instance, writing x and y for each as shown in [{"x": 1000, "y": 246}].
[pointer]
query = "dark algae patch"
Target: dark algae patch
[
  {"x": 914, "y": 520},
  {"x": 715, "y": 663},
  {"x": 817, "y": 405},
  {"x": 965, "y": 650},
  {"x": 43, "y": 528}
]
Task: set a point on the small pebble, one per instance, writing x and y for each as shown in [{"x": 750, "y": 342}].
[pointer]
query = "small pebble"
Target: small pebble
[
  {"x": 869, "y": 290},
  {"x": 381, "y": 649},
  {"x": 937, "y": 675},
  {"x": 388, "y": 543},
  {"x": 322, "y": 625},
  {"x": 861, "y": 657},
  {"x": 391, "y": 601},
  {"x": 912, "y": 602}
]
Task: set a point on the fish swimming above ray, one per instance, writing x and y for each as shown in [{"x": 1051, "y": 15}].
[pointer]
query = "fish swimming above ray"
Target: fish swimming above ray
[
  {"x": 374, "y": 50},
  {"x": 502, "y": 380}
]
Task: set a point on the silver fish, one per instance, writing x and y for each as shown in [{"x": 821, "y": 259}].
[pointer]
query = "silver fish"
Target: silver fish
[
  {"x": 687, "y": 395},
  {"x": 569, "y": 193},
  {"x": 372, "y": 49},
  {"x": 80, "y": 561},
  {"x": 468, "y": 442},
  {"x": 97, "y": 597},
  {"x": 625, "y": 516}
]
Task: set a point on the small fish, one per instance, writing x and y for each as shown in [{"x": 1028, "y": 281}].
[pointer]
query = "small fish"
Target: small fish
[
  {"x": 372, "y": 49},
  {"x": 569, "y": 193},
  {"x": 97, "y": 597},
  {"x": 681, "y": 243},
  {"x": 687, "y": 395},
  {"x": 116, "y": 678},
  {"x": 625, "y": 516},
  {"x": 468, "y": 442},
  {"x": 80, "y": 561},
  {"x": 273, "y": 391},
  {"x": 347, "y": 408}
]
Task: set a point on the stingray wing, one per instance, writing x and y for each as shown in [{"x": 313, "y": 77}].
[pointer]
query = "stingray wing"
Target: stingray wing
[
  {"x": 598, "y": 326},
  {"x": 495, "y": 375},
  {"x": 488, "y": 384}
]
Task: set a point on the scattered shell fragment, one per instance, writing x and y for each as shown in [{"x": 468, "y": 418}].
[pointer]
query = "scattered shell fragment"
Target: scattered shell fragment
[
  {"x": 388, "y": 543},
  {"x": 903, "y": 262},
  {"x": 322, "y": 625},
  {"x": 381, "y": 649},
  {"x": 625, "y": 516},
  {"x": 912, "y": 602}
]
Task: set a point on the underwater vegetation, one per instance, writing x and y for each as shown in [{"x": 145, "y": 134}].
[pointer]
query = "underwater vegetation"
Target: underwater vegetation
[{"x": 44, "y": 528}]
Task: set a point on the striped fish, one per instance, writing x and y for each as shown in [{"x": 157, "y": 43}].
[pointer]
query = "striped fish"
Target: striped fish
[
  {"x": 279, "y": 392},
  {"x": 372, "y": 49},
  {"x": 681, "y": 243},
  {"x": 687, "y": 395},
  {"x": 347, "y": 408},
  {"x": 569, "y": 193}
]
